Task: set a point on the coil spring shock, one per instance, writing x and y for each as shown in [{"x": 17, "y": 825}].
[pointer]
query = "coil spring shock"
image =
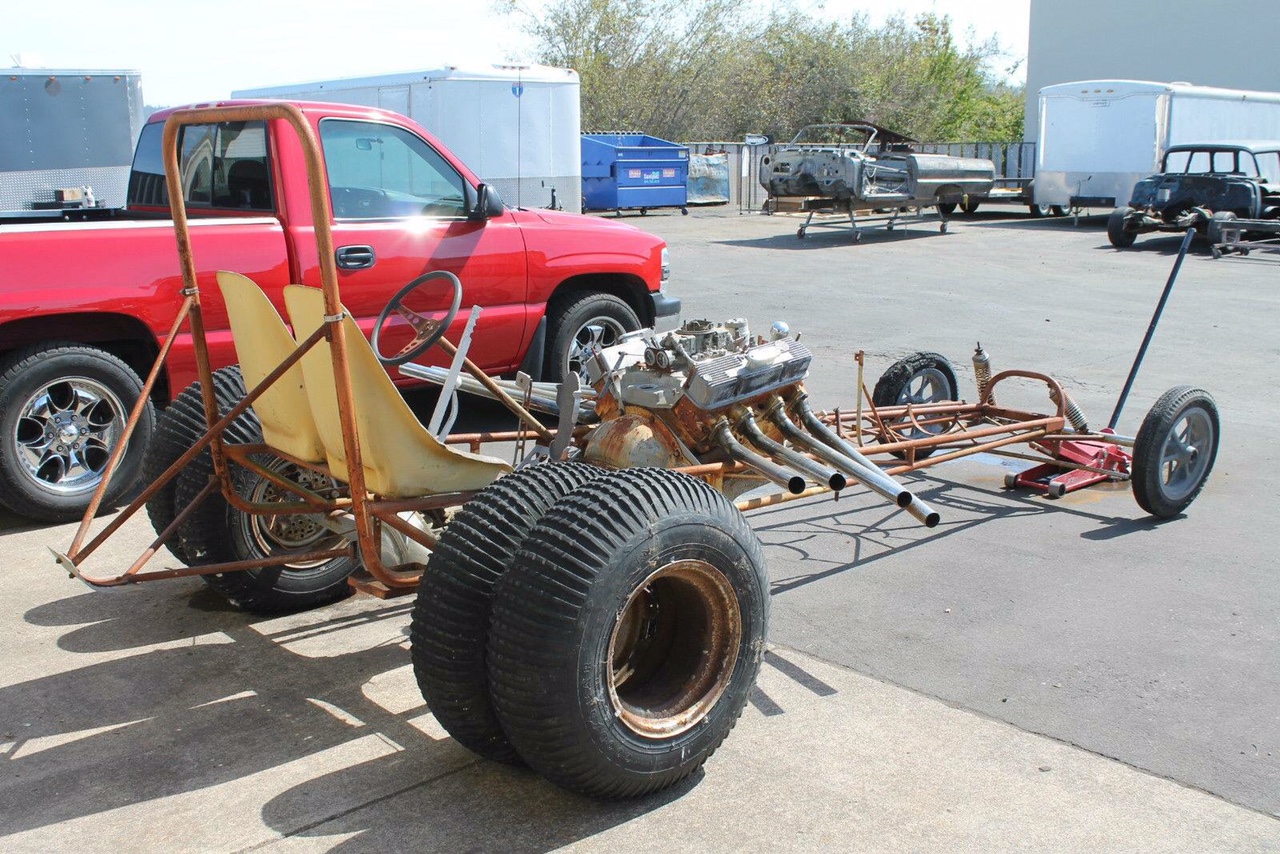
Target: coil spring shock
[
  {"x": 1075, "y": 414},
  {"x": 982, "y": 372}
]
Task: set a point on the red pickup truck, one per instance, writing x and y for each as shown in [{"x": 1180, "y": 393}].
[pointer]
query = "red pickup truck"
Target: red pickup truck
[{"x": 85, "y": 305}]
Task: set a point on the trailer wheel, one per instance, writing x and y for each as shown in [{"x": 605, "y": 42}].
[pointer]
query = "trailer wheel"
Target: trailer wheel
[
  {"x": 450, "y": 629},
  {"x": 918, "y": 379},
  {"x": 1119, "y": 235},
  {"x": 177, "y": 429},
  {"x": 1213, "y": 231},
  {"x": 1175, "y": 451},
  {"x": 946, "y": 208},
  {"x": 580, "y": 323},
  {"x": 970, "y": 208},
  {"x": 628, "y": 633},
  {"x": 63, "y": 407}
]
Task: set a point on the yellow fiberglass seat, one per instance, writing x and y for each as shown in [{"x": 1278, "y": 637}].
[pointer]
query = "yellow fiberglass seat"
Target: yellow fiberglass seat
[
  {"x": 262, "y": 343},
  {"x": 401, "y": 459}
]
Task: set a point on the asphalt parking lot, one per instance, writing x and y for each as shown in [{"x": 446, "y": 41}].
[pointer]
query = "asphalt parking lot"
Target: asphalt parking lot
[{"x": 1029, "y": 675}]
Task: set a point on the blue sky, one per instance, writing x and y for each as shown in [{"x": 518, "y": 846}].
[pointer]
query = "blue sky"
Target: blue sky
[{"x": 193, "y": 51}]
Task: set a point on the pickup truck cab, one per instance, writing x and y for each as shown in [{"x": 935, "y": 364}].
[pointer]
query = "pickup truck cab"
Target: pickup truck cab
[
  {"x": 1198, "y": 181},
  {"x": 85, "y": 306}
]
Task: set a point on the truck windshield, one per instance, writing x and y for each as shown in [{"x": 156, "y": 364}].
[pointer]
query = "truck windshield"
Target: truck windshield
[
  {"x": 379, "y": 171},
  {"x": 222, "y": 166}
]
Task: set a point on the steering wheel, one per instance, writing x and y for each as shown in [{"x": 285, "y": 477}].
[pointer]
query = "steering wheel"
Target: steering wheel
[{"x": 426, "y": 330}]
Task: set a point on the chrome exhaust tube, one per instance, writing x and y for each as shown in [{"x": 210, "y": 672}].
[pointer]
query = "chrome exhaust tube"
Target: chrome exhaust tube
[
  {"x": 738, "y": 452},
  {"x": 746, "y": 424},
  {"x": 867, "y": 472}
]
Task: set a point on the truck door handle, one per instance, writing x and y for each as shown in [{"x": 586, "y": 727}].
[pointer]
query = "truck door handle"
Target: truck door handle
[{"x": 355, "y": 257}]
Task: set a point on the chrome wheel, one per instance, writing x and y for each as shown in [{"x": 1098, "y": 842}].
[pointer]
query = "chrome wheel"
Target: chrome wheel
[
  {"x": 594, "y": 335},
  {"x": 65, "y": 433}
]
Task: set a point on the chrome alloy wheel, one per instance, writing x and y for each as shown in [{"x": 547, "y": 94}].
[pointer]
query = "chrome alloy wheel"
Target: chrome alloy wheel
[{"x": 65, "y": 434}]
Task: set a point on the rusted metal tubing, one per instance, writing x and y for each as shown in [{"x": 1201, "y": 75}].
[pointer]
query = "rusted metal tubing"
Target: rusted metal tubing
[
  {"x": 871, "y": 474},
  {"x": 752, "y": 433},
  {"x": 768, "y": 468},
  {"x": 868, "y": 474}
]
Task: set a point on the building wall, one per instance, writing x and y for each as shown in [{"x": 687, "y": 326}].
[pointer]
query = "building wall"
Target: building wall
[{"x": 1194, "y": 41}]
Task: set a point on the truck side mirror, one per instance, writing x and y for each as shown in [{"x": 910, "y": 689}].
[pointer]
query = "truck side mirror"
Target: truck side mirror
[{"x": 488, "y": 203}]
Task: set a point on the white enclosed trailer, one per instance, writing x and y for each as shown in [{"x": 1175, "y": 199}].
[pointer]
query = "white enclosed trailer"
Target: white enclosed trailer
[
  {"x": 516, "y": 126},
  {"x": 66, "y": 129},
  {"x": 1100, "y": 137}
]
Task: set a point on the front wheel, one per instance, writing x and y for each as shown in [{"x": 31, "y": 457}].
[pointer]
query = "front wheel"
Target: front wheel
[
  {"x": 63, "y": 409},
  {"x": 1118, "y": 233},
  {"x": 1175, "y": 450},
  {"x": 628, "y": 633},
  {"x": 579, "y": 326},
  {"x": 919, "y": 379}
]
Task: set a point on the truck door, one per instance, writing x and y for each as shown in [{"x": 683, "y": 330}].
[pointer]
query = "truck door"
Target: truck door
[{"x": 400, "y": 210}]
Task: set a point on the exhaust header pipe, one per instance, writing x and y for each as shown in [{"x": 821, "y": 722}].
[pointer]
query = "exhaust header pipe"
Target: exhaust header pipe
[
  {"x": 751, "y": 432},
  {"x": 854, "y": 463},
  {"x": 738, "y": 452}
]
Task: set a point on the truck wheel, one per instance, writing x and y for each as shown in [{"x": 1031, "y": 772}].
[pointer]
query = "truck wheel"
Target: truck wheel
[
  {"x": 450, "y": 629},
  {"x": 919, "y": 378},
  {"x": 217, "y": 532},
  {"x": 970, "y": 208},
  {"x": 628, "y": 633},
  {"x": 580, "y": 324},
  {"x": 1120, "y": 236},
  {"x": 177, "y": 429},
  {"x": 62, "y": 409},
  {"x": 1175, "y": 450},
  {"x": 946, "y": 208}
]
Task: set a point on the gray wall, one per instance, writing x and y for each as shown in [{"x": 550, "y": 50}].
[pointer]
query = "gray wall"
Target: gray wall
[{"x": 1229, "y": 44}]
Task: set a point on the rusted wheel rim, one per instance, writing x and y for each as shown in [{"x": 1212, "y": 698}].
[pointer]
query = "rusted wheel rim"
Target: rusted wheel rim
[
  {"x": 673, "y": 649},
  {"x": 294, "y": 531}
]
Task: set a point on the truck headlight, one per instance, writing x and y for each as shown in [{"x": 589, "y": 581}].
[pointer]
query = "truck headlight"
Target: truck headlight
[{"x": 666, "y": 264}]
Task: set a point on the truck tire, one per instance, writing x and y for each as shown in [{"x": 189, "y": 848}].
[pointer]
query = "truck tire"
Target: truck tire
[
  {"x": 1120, "y": 236},
  {"x": 628, "y": 633},
  {"x": 970, "y": 208},
  {"x": 1175, "y": 450},
  {"x": 582, "y": 321},
  {"x": 217, "y": 532},
  {"x": 947, "y": 208},
  {"x": 62, "y": 407},
  {"x": 450, "y": 628},
  {"x": 919, "y": 378},
  {"x": 177, "y": 429}
]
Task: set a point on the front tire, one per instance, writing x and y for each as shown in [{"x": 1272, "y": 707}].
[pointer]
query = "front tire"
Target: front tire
[
  {"x": 920, "y": 378},
  {"x": 581, "y": 323},
  {"x": 1117, "y": 232},
  {"x": 63, "y": 408},
  {"x": 1175, "y": 450},
  {"x": 628, "y": 633},
  {"x": 177, "y": 429}
]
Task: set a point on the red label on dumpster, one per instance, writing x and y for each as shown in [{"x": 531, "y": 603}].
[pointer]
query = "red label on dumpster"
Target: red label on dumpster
[
  {"x": 634, "y": 173},
  {"x": 668, "y": 173}
]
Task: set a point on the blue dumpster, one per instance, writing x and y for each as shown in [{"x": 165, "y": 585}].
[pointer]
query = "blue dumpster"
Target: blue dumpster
[{"x": 630, "y": 171}]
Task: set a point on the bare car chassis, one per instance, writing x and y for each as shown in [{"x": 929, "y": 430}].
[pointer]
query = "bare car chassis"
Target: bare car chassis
[{"x": 599, "y": 612}]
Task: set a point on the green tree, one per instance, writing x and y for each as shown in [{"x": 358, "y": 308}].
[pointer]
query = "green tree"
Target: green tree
[{"x": 706, "y": 69}]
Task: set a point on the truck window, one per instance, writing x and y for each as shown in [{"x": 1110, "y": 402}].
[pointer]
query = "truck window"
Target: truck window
[
  {"x": 1269, "y": 166},
  {"x": 223, "y": 166},
  {"x": 378, "y": 171},
  {"x": 1175, "y": 162}
]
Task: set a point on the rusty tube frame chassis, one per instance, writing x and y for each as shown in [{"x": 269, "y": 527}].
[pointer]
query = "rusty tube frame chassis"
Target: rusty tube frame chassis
[
  {"x": 369, "y": 511},
  {"x": 958, "y": 429}
]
